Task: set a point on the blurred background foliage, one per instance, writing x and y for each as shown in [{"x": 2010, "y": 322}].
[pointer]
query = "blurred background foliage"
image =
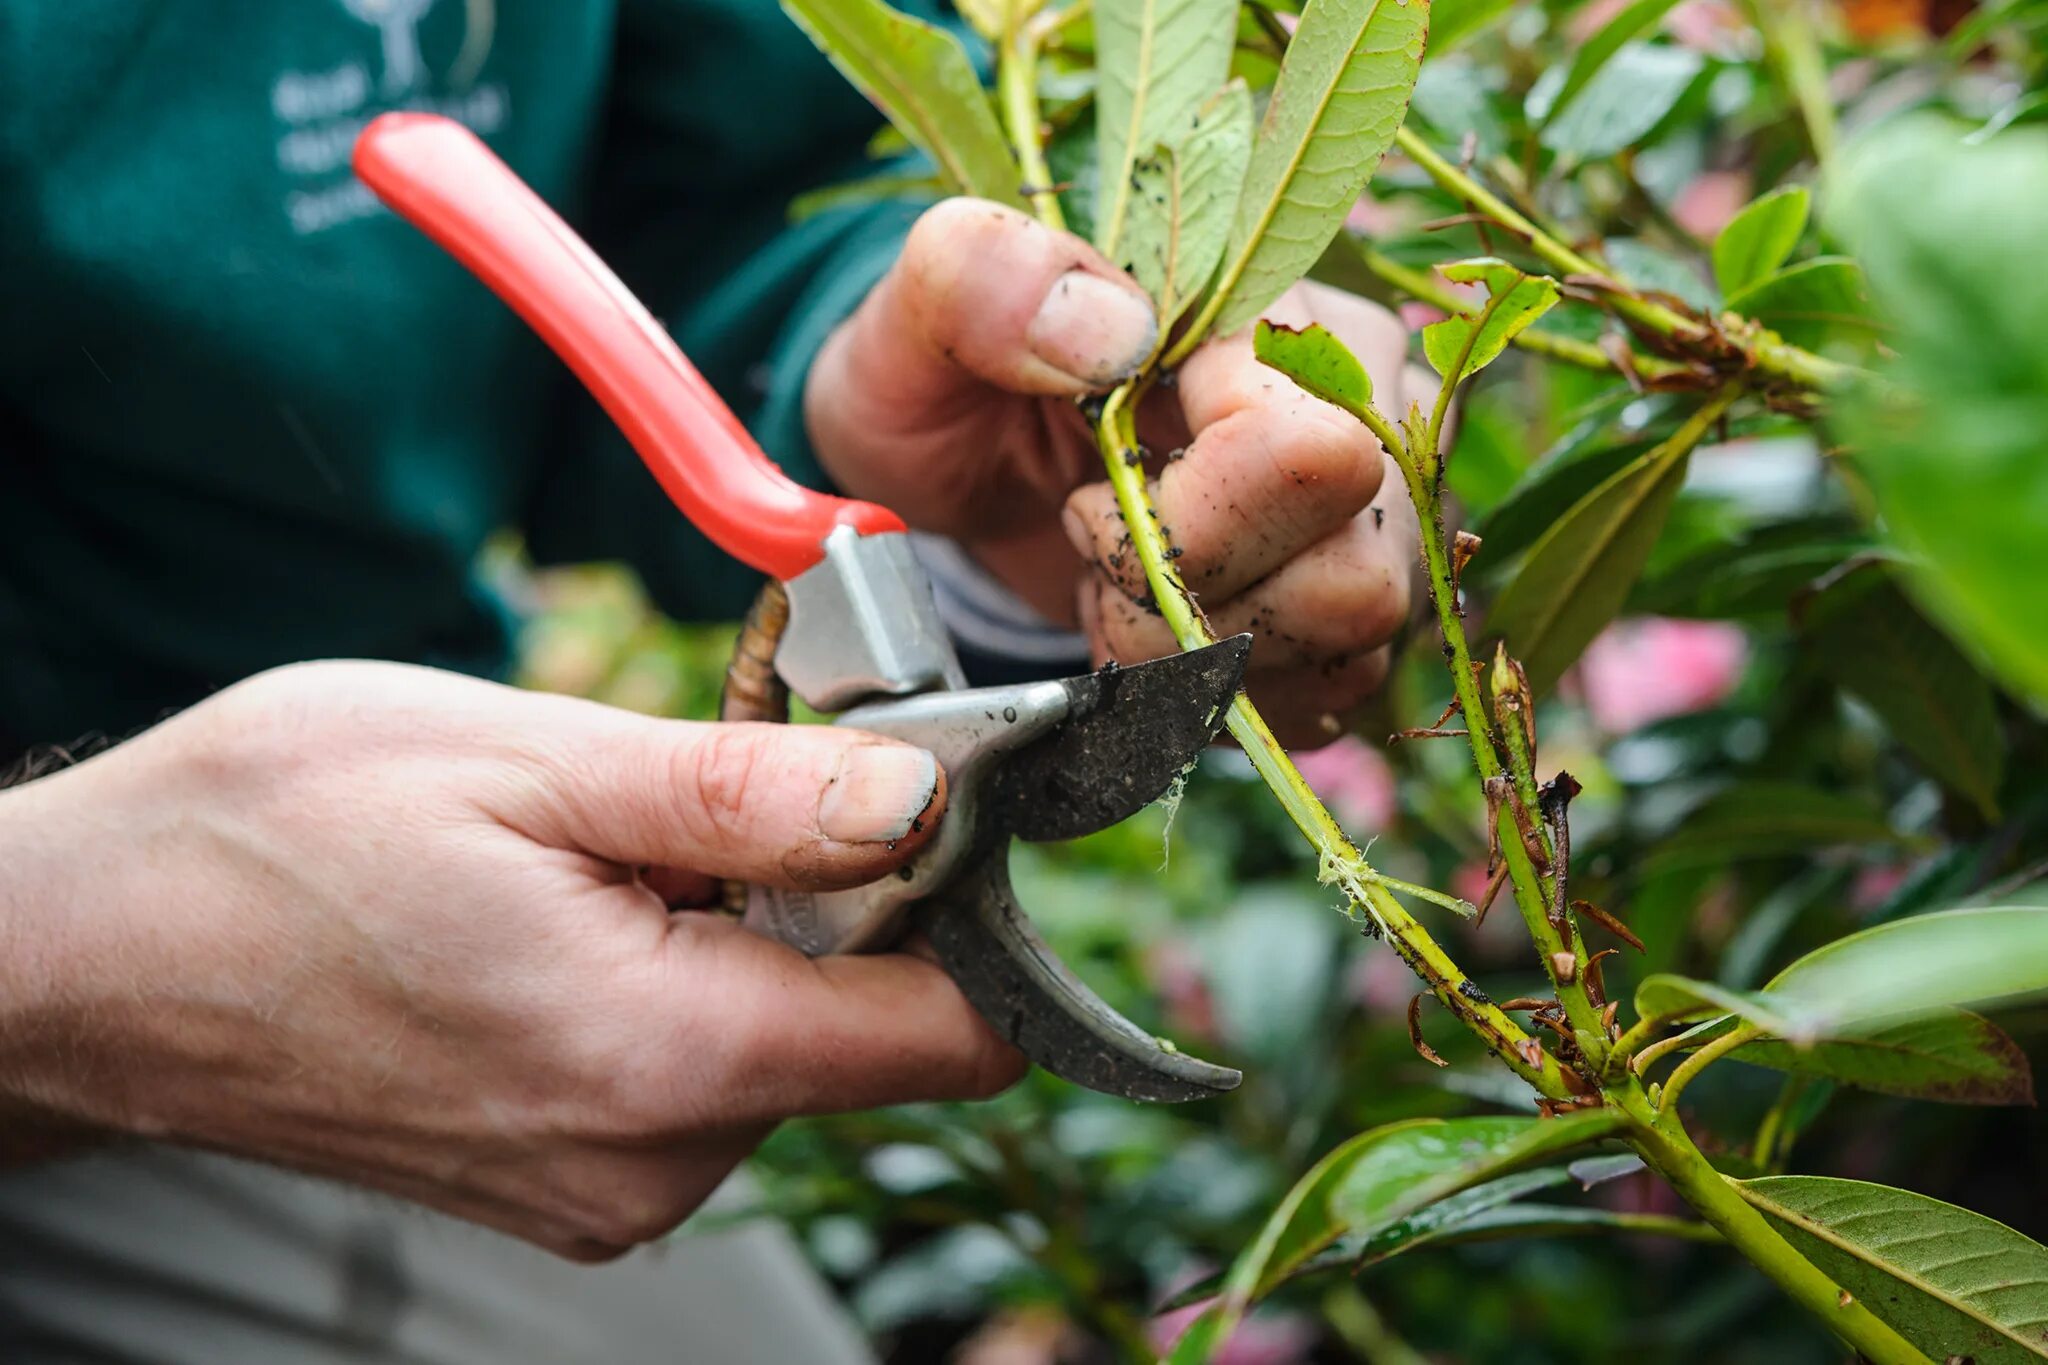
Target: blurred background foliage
[{"x": 1777, "y": 745}]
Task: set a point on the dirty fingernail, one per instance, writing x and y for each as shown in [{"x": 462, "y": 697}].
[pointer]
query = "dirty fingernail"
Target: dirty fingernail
[
  {"x": 1094, "y": 330},
  {"x": 878, "y": 793}
]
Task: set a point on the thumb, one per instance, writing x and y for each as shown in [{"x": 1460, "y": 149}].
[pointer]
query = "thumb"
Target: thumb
[
  {"x": 983, "y": 294},
  {"x": 782, "y": 805}
]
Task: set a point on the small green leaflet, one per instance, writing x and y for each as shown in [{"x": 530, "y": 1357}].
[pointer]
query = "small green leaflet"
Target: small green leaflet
[
  {"x": 1156, "y": 62},
  {"x": 1341, "y": 95},
  {"x": 1180, "y": 215},
  {"x": 919, "y": 76},
  {"x": 1514, "y": 301},
  {"x": 1317, "y": 362},
  {"x": 1813, "y": 304},
  {"x": 1373, "y": 1181},
  {"x": 1954, "y": 1283},
  {"x": 1761, "y": 238}
]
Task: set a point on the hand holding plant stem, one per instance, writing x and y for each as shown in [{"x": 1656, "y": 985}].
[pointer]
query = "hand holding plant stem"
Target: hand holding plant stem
[{"x": 1214, "y": 220}]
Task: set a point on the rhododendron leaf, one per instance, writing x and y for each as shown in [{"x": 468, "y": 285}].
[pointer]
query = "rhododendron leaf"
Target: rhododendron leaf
[
  {"x": 1956, "y": 1284},
  {"x": 1865, "y": 635},
  {"x": 1760, "y": 238},
  {"x": 1470, "y": 341},
  {"x": 1373, "y": 1181},
  {"x": 1813, "y": 304},
  {"x": 1180, "y": 216},
  {"x": 1156, "y": 62},
  {"x": 1341, "y": 95},
  {"x": 1316, "y": 361},
  {"x": 1581, "y": 571},
  {"x": 920, "y": 76}
]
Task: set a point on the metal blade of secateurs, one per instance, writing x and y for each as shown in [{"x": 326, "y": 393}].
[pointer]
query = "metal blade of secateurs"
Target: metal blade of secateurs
[
  {"x": 1030, "y": 997},
  {"x": 1131, "y": 732}
]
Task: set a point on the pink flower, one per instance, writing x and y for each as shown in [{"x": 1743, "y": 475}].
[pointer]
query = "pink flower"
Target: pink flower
[
  {"x": 1380, "y": 983},
  {"x": 1706, "y": 204},
  {"x": 1648, "y": 668},
  {"x": 1354, "y": 781}
]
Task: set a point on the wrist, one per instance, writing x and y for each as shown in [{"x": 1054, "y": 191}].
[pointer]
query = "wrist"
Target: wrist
[
  {"x": 90, "y": 932},
  {"x": 40, "y": 836}
]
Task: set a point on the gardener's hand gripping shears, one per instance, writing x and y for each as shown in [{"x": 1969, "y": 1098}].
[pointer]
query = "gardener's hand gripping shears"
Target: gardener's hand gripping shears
[{"x": 1040, "y": 761}]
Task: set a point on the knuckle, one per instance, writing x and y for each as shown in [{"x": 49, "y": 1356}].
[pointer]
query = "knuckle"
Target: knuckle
[{"x": 722, "y": 775}]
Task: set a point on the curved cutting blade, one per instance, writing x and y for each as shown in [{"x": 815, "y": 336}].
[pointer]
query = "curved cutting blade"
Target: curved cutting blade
[
  {"x": 1030, "y": 997},
  {"x": 1131, "y": 732}
]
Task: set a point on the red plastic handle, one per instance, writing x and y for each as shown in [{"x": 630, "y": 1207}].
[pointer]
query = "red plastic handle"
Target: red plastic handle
[{"x": 439, "y": 176}]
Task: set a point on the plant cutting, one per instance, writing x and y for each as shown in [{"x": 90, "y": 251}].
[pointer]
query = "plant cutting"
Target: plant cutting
[{"x": 1220, "y": 148}]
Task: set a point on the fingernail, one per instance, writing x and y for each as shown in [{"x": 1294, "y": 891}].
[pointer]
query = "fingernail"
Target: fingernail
[
  {"x": 1094, "y": 330},
  {"x": 1076, "y": 528},
  {"x": 878, "y": 793}
]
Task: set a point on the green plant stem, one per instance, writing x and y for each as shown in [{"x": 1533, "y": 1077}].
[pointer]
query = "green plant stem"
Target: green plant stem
[
  {"x": 1017, "y": 92},
  {"x": 1427, "y": 494},
  {"x": 1340, "y": 861},
  {"x": 1655, "y": 1052},
  {"x": 1770, "y": 356},
  {"x": 1662, "y": 1142},
  {"x": 1700, "y": 1061},
  {"x": 1793, "y": 50},
  {"x": 1424, "y": 287}
]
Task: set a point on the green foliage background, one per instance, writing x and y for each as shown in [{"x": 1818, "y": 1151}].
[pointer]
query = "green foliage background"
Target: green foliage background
[{"x": 1881, "y": 754}]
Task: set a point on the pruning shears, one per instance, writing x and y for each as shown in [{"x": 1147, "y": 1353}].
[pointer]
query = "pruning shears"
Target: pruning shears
[{"x": 848, "y": 624}]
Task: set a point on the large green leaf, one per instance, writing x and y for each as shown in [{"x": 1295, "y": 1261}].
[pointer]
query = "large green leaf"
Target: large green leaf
[
  {"x": 1951, "y": 1057},
  {"x": 1624, "y": 101},
  {"x": 1814, "y": 304},
  {"x": 1156, "y": 61},
  {"x": 1342, "y": 92},
  {"x": 1180, "y": 217},
  {"x": 1756, "y": 575},
  {"x": 1954, "y": 1283},
  {"x": 1763, "y": 819},
  {"x": 1580, "y": 572},
  {"x": 1950, "y": 236},
  {"x": 1574, "y": 466},
  {"x": 919, "y": 76},
  {"x": 1632, "y": 19},
  {"x": 1468, "y": 342},
  {"x": 1760, "y": 238},
  {"x": 1925, "y": 962},
  {"x": 1371, "y": 1182},
  {"x": 1868, "y": 986},
  {"x": 1864, "y": 634}
]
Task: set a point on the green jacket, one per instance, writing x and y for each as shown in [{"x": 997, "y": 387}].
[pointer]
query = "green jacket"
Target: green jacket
[{"x": 247, "y": 417}]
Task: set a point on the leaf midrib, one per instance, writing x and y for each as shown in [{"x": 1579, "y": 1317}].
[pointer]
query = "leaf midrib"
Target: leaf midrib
[
  {"x": 1854, "y": 1249},
  {"x": 1250, "y": 247},
  {"x": 1141, "y": 88}
]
